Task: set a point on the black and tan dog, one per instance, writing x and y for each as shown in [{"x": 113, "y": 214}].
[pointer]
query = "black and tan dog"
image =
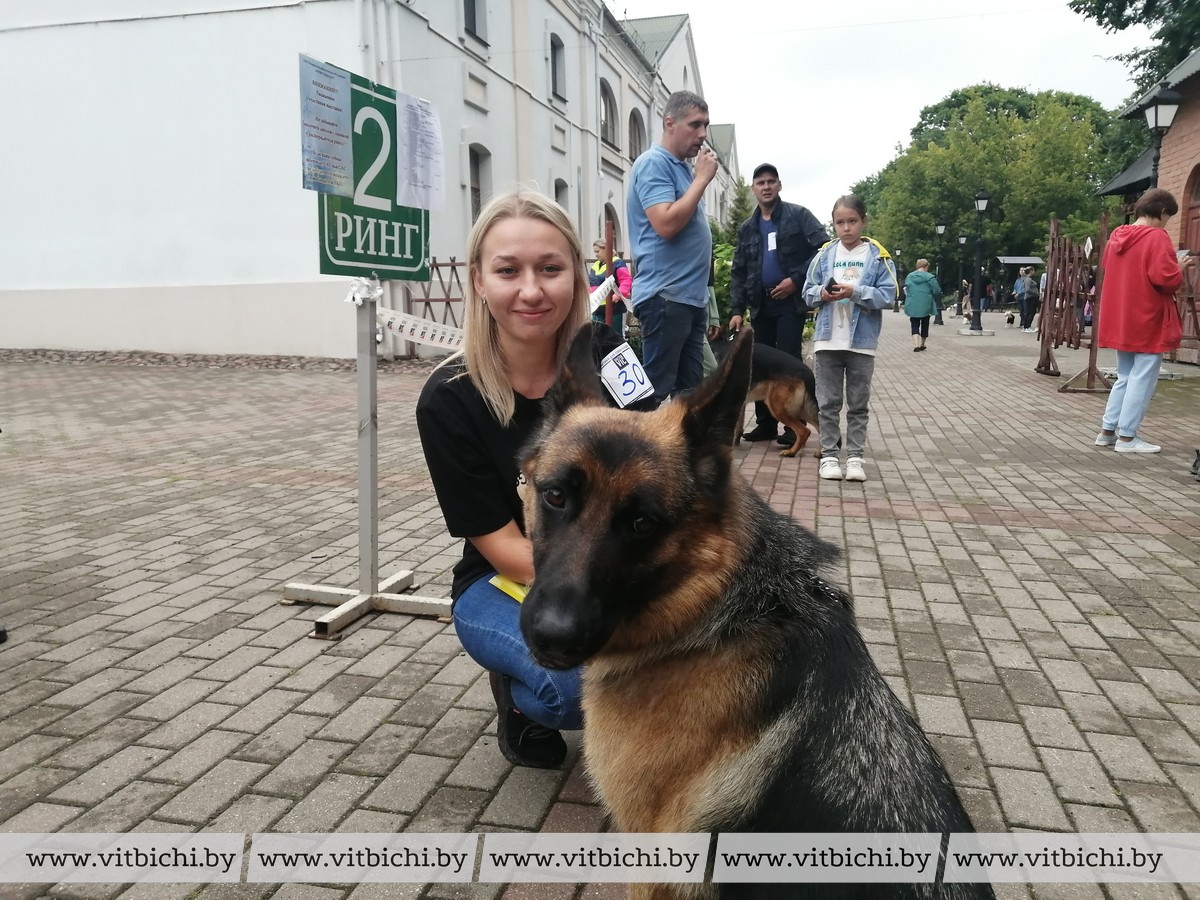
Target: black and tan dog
[
  {"x": 727, "y": 688},
  {"x": 785, "y": 384}
]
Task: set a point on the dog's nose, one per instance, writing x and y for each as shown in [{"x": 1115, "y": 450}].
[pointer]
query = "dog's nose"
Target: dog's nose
[{"x": 556, "y": 640}]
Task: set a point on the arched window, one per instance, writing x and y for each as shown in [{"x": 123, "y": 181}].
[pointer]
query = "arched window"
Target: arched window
[
  {"x": 480, "y": 165},
  {"x": 637, "y": 135},
  {"x": 558, "y": 68},
  {"x": 608, "y": 115},
  {"x": 610, "y": 217}
]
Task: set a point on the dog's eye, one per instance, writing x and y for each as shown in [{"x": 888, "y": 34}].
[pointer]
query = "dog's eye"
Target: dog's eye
[
  {"x": 554, "y": 498},
  {"x": 643, "y": 525}
]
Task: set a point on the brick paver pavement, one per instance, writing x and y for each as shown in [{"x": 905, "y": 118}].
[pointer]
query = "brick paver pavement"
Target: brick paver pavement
[{"x": 1034, "y": 599}]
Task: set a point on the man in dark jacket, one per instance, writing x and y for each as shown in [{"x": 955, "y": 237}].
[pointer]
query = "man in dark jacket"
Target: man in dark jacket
[{"x": 774, "y": 248}]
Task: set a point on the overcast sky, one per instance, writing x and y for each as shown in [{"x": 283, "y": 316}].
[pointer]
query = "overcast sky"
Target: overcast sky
[{"x": 787, "y": 72}]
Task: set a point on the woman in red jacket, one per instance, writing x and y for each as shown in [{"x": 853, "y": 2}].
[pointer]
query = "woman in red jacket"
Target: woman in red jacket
[{"x": 1138, "y": 316}]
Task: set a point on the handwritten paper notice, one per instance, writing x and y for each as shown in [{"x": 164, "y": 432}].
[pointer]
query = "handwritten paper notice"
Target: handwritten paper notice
[{"x": 622, "y": 373}]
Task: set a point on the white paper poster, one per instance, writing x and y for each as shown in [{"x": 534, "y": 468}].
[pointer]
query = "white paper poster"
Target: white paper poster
[
  {"x": 420, "y": 158},
  {"x": 325, "y": 128}
]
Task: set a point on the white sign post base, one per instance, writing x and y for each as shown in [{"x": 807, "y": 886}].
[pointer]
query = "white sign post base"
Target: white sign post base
[{"x": 352, "y": 605}]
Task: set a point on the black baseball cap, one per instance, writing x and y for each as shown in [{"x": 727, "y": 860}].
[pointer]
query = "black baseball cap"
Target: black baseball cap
[{"x": 765, "y": 167}]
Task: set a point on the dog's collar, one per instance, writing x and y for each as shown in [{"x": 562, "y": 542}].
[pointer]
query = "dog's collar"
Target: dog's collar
[{"x": 825, "y": 589}]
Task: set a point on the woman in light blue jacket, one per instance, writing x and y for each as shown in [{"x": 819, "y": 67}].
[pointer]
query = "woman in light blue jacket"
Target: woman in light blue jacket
[{"x": 850, "y": 281}]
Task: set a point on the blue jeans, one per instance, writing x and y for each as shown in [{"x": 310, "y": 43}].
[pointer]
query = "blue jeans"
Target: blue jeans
[
  {"x": 1137, "y": 377},
  {"x": 488, "y": 622},
  {"x": 673, "y": 337}
]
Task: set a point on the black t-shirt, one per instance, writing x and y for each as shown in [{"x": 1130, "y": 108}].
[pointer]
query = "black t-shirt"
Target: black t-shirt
[{"x": 473, "y": 460}]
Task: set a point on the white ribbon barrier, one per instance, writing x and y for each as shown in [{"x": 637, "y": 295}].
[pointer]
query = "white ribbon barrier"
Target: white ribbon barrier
[
  {"x": 420, "y": 330},
  {"x": 600, "y": 294}
]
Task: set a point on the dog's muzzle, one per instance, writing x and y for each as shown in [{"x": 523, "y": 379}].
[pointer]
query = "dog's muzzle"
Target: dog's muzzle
[{"x": 557, "y": 639}]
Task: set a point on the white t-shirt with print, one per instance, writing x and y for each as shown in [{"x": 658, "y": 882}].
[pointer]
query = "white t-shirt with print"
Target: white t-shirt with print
[{"x": 848, "y": 267}]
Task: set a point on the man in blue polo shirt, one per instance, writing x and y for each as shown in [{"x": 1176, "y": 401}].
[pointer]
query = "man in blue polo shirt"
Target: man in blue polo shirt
[{"x": 671, "y": 245}]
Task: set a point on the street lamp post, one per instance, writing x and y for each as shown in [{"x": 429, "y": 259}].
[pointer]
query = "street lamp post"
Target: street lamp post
[
  {"x": 940, "y": 228},
  {"x": 962, "y": 240},
  {"x": 1160, "y": 112},
  {"x": 896, "y": 251},
  {"x": 981, "y": 202}
]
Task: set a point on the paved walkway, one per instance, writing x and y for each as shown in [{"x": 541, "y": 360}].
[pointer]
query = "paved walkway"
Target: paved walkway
[{"x": 1035, "y": 599}]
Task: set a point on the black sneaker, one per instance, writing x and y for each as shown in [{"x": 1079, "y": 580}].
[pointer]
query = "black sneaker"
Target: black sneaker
[
  {"x": 761, "y": 433},
  {"x": 523, "y": 741},
  {"x": 787, "y": 438}
]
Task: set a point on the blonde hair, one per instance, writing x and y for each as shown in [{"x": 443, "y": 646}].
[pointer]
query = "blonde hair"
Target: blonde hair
[
  {"x": 485, "y": 363},
  {"x": 922, "y": 263}
]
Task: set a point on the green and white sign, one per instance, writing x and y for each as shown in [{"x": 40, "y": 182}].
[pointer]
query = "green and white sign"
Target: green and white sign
[{"x": 368, "y": 233}]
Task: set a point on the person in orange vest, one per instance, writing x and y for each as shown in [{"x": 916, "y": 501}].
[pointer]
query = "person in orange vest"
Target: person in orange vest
[{"x": 598, "y": 274}]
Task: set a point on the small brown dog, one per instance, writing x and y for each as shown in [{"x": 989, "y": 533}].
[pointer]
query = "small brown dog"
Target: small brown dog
[{"x": 786, "y": 385}]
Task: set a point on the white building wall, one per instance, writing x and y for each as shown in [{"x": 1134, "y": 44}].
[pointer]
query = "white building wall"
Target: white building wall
[{"x": 156, "y": 160}]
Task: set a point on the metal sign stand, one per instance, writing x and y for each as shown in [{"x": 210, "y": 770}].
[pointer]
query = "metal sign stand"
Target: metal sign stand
[{"x": 371, "y": 595}]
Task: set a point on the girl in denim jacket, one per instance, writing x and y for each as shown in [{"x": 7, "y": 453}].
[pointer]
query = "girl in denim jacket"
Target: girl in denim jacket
[{"x": 849, "y": 282}]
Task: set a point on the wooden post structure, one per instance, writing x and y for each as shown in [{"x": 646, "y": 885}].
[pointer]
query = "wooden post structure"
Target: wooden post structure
[
  {"x": 609, "y": 239},
  {"x": 1094, "y": 380}
]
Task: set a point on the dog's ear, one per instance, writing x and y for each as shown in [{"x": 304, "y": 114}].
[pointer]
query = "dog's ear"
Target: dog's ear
[
  {"x": 578, "y": 381},
  {"x": 714, "y": 408}
]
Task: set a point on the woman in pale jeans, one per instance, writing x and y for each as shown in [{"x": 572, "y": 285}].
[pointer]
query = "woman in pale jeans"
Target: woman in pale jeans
[{"x": 1138, "y": 316}]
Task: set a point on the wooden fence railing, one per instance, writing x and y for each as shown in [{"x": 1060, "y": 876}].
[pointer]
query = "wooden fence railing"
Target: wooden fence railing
[
  {"x": 1188, "y": 297},
  {"x": 1062, "y": 318}
]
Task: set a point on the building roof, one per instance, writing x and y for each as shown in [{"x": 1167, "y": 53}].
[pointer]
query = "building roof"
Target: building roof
[
  {"x": 654, "y": 35},
  {"x": 1134, "y": 180},
  {"x": 615, "y": 26},
  {"x": 1177, "y": 76},
  {"x": 722, "y": 138}
]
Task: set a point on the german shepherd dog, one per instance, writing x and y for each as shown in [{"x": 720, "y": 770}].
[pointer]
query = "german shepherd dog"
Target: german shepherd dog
[
  {"x": 727, "y": 687},
  {"x": 786, "y": 385}
]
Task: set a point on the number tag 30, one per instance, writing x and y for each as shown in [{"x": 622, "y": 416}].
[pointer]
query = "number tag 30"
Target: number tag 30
[{"x": 623, "y": 375}]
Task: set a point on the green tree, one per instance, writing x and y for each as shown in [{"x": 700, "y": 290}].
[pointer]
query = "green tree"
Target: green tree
[
  {"x": 1037, "y": 155},
  {"x": 1174, "y": 23},
  {"x": 938, "y": 119},
  {"x": 739, "y": 210}
]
